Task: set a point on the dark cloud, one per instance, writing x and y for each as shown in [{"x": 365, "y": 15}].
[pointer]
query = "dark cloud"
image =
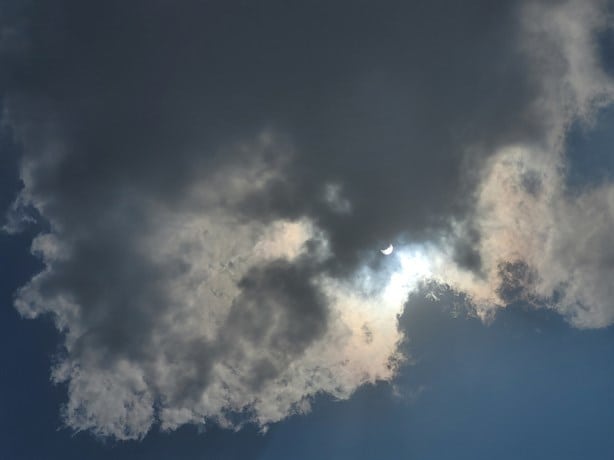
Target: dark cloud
[
  {"x": 279, "y": 303},
  {"x": 387, "y": 102},
  {"x": 280, "y": 310},
  {"x": 401, "y": 123},
  {"x": 517, "y": 279},
  {"x": 466, "y": 250}
]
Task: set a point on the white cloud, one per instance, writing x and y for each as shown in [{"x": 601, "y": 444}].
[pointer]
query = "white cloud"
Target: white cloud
[
  {"x": 186, "y": 341},
  {"x": 525, "y": 213}
]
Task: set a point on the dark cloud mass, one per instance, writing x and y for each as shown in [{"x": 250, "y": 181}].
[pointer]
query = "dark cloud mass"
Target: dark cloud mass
[
  {"x": 214, "y": 174},
  {"x": 384, "y": 101},
  {"x": 280, "y": 310}
]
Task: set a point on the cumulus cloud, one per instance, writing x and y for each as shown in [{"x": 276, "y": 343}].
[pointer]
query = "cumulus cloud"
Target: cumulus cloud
[
  {"x": 198, "y": 312},
  {"x": 218, "y": 179},
  {"x": 542, "y": 241}
]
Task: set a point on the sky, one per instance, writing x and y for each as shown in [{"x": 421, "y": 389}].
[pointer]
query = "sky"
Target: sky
[{"x": 195, "y": 197}]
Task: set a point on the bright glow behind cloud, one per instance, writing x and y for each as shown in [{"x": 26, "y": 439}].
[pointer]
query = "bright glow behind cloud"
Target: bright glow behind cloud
[{"x": 415, "y": 266}]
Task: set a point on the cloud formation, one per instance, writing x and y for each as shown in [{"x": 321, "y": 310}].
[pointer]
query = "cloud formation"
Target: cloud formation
[
  {"x": 541, "y": 240},
  {"x": 219, "y": 177}
]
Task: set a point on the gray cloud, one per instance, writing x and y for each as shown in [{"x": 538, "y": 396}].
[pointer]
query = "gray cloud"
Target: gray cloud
[
  {"x": 218, "y": 177},
  {"x": 388, "y": 115}
]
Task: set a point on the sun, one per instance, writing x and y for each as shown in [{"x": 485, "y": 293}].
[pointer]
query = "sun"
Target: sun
[{"x": 415, "y": 267}]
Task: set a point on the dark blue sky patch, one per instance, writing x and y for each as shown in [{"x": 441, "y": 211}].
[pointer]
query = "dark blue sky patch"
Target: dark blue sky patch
[
  {"x": 29, "y": 403},
  {"x": 9, "y": 167},
  {"x": 605, "y": 48},
  {"x": 590, "y": 151}
]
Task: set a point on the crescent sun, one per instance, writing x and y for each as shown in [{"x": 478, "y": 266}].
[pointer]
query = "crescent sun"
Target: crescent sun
[{"x": 387, "y": 251}]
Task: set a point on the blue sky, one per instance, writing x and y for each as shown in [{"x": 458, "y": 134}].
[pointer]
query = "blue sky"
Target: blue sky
[{"x": 196, "y": 196}]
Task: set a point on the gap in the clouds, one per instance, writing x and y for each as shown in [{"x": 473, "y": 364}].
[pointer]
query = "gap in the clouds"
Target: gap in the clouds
[{"x": 590, "y": 151}]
